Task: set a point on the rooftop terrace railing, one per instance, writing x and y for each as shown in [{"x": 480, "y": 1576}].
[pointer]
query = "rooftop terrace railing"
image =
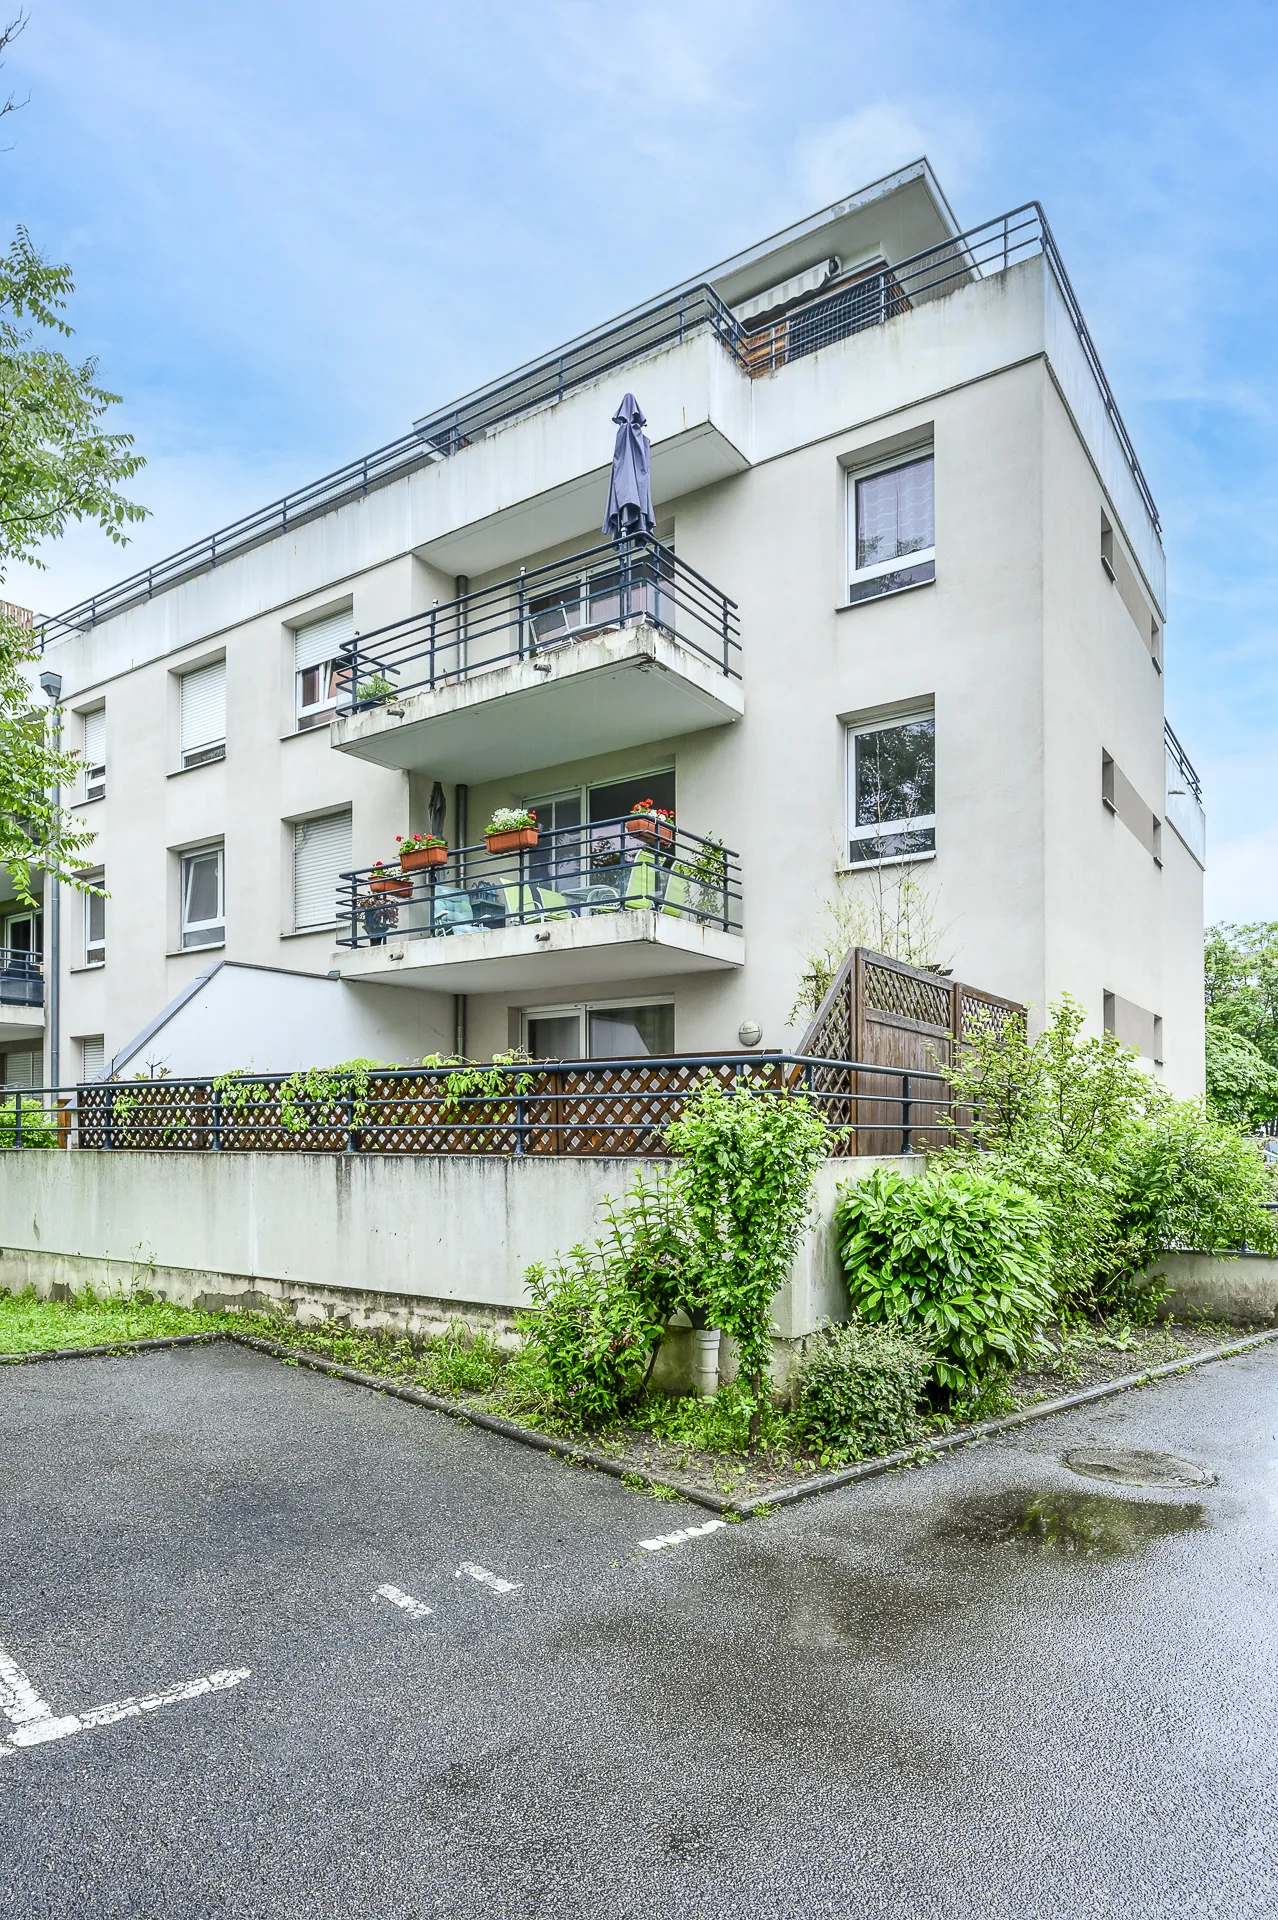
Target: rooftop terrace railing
[
  {"x": 574, "y": 1108},
  {"x": 21, "y": 978},
  {"x": 541, "y": 609},
  {"x": 849, "y": 307},
  {"x": 630, "y": 864}
]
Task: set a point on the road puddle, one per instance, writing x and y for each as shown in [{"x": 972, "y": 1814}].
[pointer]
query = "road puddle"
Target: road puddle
[{"x": 1084, "y": 1526}]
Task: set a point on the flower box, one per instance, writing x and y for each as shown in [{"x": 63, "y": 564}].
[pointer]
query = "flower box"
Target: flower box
[
  {"x": 511, "y": 839},
  {"x": 388, "y": 883},
  {"x": 652, "y": 828},
  {"x": 410, "y": 858}
]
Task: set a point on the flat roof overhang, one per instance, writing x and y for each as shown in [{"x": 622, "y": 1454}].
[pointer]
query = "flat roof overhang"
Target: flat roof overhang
[
  {"x": 593, "y": 951},
  {"x": 622, "y": 688}
]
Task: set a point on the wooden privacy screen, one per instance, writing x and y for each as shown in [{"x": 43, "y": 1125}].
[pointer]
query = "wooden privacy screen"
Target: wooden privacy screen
[{"x": 879, "y": 1012}]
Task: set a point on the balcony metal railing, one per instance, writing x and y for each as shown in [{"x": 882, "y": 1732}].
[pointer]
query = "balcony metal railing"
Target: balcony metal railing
[
  {"x": 1181, "y": 762},
  {"x": 539, "y": 610},
  {"x": 607, "y": 867},
  {"x": 559, "y": 1108},
  {"x": 21, "y": 978},
  {"x": 869, "y": 301}
]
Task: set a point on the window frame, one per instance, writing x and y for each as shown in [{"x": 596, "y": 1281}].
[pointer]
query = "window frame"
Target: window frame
[
  {"x": 209, "y": 750},
  {"x": 297, "y": 828},
  {"x": 582, "y": 1009},
  {"x": 94, "y": 950},
  {"x": 902, "y": 563},
  {"x": 216, "y": 926},
  {"x": 95, "y": 773},
  {"x": 918, "y": 823}
]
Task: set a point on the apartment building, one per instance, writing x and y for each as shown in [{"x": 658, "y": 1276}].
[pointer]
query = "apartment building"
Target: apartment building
[{"x": 903, "y": 609}]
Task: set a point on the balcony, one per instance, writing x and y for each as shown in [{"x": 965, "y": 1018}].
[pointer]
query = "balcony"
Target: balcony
[
  {"x": 21, "y": 992},
  {"x": 615, "y": 647},
  {"x": 1185, "y": 808},
  {"x": 622, "y": 900}
]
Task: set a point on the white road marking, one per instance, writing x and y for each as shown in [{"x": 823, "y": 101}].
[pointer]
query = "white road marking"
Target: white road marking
[
  {"x": 487, "y": 1579},
  {"x": 398, "y": 1598},
  {"x": 34, "y": 1722},
  {"x": 677, "y": 1539}
]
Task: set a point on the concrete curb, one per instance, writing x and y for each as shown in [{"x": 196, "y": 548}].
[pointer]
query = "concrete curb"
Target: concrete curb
[
  {"x": 114, "y": 1348},
  {"x": 603, "y": 1463}
]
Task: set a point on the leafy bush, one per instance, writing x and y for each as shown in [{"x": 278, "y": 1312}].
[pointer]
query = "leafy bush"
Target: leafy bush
[
  {"x": 748, "y": 1161},
  {"x": 729, "y": 1421},
  {"x": 29, "y": 1127},
  {"x": 957, "y": 1256},
  {"x": 592, "y": 1338},
  {"x": 1122, "y": 1171},
  {"x": 1242, "y": 1087},
  {"x": 857, "y": 1390}
]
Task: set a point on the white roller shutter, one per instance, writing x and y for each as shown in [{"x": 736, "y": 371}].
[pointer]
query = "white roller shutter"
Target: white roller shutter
[
  {"x": 22, "y": 1070},
  {"x": 321, "y": 852},
  {"x": 204, "y": 708},
  {"x": 95, "y": 738},
  {"x": 322, "y": 639},
  {"x": 92, "y": 1058}
]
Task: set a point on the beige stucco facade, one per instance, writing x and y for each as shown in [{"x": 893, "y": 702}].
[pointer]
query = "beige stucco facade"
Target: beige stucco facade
[{"x": 1037, "y": 647}]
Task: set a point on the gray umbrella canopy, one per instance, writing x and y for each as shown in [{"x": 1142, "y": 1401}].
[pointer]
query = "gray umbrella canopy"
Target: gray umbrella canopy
[{"x": 630, "y": 487}]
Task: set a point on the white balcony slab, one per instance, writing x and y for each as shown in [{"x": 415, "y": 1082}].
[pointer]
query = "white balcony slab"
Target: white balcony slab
[
  {"x": 595, "y": 950},
  {"x": 621, "y": 688},
  {"x": 21, "y": 1023}
]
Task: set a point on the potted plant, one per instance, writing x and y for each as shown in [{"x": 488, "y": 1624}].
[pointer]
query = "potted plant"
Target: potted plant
[
  {"x": 381, "y": 880},
  {"x": 509, "y": 828},
  {"x": 652, "y": 824},
  {"x": 421, "y": 850}
]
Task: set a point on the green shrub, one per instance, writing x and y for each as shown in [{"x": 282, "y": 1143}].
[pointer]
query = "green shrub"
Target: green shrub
[
  {"x": 857, "y": 1390},
  {"x": 956, "y": 1256},
  {"x": 1187, "y": 1181},
  {"x": 592, "y": 1338},
  {"x": 32, "y": 1127},
  {"x": 748, "y": 1159},
  {"x": 1242, "y": 1087}
]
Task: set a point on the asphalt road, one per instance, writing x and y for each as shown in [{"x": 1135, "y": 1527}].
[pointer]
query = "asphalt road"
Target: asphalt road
[{"x": 985, "y": 1688}]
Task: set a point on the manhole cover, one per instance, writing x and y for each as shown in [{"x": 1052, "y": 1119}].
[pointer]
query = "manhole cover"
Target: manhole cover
[{"x": 1133, "y": 1467}]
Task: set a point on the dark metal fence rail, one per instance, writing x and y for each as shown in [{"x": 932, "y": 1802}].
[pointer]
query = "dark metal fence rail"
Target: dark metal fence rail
[
  {"x": 1183, "y": 763},
  {"x": 583, "y": 1108},
  {"x": 21, "y": 978},
  {"x": 983, "y": 250},
  {"x": 538, "y": 609},
  {"x": 627, "y": 864}
]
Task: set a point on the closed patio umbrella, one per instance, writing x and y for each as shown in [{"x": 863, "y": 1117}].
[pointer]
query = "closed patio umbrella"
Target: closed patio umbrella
[{"x": 630, "y": 486}]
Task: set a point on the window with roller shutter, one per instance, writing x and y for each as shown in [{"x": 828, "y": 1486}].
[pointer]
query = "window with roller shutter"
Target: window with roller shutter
[
  {"x": 319, "y": 667},
  {"x": 94, "y": 750},
  {"x": 203, "y": 700},
  {"x": 321, "y": 854}
]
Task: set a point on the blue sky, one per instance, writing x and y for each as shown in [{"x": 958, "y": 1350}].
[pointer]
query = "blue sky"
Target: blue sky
[{"x": 296, "y": 225}]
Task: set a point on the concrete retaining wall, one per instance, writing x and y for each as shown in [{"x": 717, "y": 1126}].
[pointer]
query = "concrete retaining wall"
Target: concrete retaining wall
[
  {"x": 379, "y": 1241},
  {"x": 1239, "y": 1287}
]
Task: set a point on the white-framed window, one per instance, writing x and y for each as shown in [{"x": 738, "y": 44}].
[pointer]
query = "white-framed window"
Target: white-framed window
[
  {"x": 321, "y": 855},
  {"x": 203, "y": 898},
  {"x": 891, "y": 526},
  {"x": 92, "y": 1048},
  {"x": 600, "y": 1031},
  {"x": 94, "y": 751},
  {"x": 202, "y": 697},
  {"x": 319, "y": 669},
  {"x": 94, "y": 924},
  {"x": 891, "y": 788}
]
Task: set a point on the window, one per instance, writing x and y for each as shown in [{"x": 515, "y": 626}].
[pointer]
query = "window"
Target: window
[
  {"x": 203, "y": 700},
  {"x": 22, "y": 1069},
  {"x": 94, "y": 925},
  {"x": 95, "y": 754},
  {"x": 600, "y": 1032},
  {"x": 575, "y": 858},
  {"x": 92, "y": 1057},
  {"x": 891, "y": 519},
  {"x": 203, "y": 906},
  {"x": 321, "y": 854},
  {"x": 891, "y": 788},
  {"x": 23, "y": 934},
  {"x": 320, "y": 671}
]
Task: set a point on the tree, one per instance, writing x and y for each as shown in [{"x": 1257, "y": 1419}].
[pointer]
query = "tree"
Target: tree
[{"x": 56, "y": 464}]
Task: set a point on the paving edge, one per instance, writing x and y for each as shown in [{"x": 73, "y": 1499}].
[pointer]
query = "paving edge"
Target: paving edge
[{"x": 603, "y": 1463}]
